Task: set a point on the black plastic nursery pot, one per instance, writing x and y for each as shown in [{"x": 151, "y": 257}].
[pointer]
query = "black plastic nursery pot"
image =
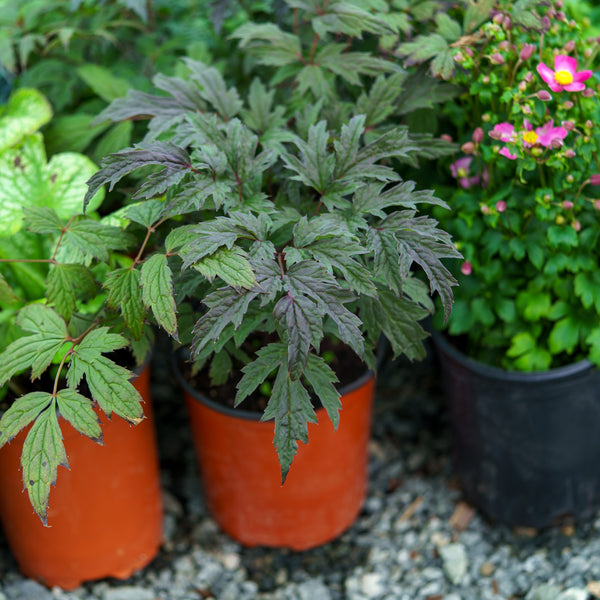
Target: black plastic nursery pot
[{"x": 526, "y": 445}]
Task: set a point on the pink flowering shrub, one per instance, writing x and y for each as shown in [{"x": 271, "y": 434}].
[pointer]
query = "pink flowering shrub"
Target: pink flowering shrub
[{"x": 529, "y": 232}]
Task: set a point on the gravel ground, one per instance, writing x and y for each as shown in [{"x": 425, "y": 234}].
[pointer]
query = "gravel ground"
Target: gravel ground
[{"x": 415, "y": 539}]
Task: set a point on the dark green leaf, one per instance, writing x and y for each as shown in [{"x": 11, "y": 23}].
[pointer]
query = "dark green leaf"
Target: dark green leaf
[
  {"x": 321, "y": 378},
  {"x": 77, "y": 409},
  {"x": 21, "y": 413},
  {"x": 157, "y": 292},
  {"x": 63, "y": 282},
  {"x": 231, "y": 265},
  {"x": 124, "y": 293}
]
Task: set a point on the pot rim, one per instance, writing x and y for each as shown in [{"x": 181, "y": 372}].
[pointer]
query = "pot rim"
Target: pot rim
[
  {"x": 445, "y": 346},
  {"x": 242, "y": 413}
]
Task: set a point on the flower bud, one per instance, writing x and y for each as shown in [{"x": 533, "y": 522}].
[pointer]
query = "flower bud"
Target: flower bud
[
  {"x": 477, "y": 136},
  {"x": 560, "y": 16},
  {"x": 558, "y": 4},
  {"x": 569, "y": 153},
  {"x": 569, "y": 178},
  {"x": 504, "y": 45},
  {"x": 560, "y": 220},
  {"x": 576, "y": 225},
  {"x": 528, "y": 77},
  {"x": 569, "y": 47},
  {"x": 567, "y": 204},
  {"x": 486, "y": 117},
  {"x": 587, "y": 93},
  {"x": 568, "y": 125},
  {"x": 507, "y": 23},
  {"x": 597, "y": 204},
  {"x": 485, "y": 209},
  {"x": 536, "y": 151},
  {"x": 526, "y": 51},
  {"x": 547, "y": 197},
  {"x": 568, "y": 105},
  {"x": 587, "y": 52},
  {"x": 556, "y": 143},
  {"x": 468, "y": 147},
  {"x": 588, "y": 124},
  {"x": 595, "y": 179},
  {"x": 497, "y": 58},
  {"x": 495, "y": 135},
  {"x": 544, "y": 95},
  {"x": 466, "y": 268},
  {"x": 485, "y": 79},
  {"x": 546, "y": 22},
  {"x": 522, "y": 86},
  {"x": 498, "y": 18},
  {"x": 446, "y": 137},
  {"x": 501, "y": 206},
  {"x": 526, "y": 109},
  {"x": 458, "y": 57}
]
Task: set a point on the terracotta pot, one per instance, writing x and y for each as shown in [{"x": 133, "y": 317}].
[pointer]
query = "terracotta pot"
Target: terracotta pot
[
  {"x": 326, "y": 484},
  {"x": 105, "y": 513}
]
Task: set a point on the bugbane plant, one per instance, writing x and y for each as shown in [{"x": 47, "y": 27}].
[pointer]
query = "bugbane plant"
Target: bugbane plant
[
  {"x": 525, "y": 210},
  {"x": 279, "y": 224}
]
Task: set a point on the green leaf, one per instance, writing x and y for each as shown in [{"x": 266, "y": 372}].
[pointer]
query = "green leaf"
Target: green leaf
[
  {"x": 268, "y": 359},
  {"x": 562, "y": 235},
  {"x": 423, "y": 48},
  {"x": 593, "y": 339},
  {"x": 124, "y": 293},
  {"x": 41, "y": 219},
  {"x": 21, "y": 413},
  {"x": 59, "y": 184},
  {"x": 447, "y": 27},
  {"x": 43, "y": 452},
  {"x": 586, "y": 288},
  {"x": 116, "y": 138},
  {"x": 231, "y": 265},
  {"x": 157, "y": 292},
  {"x": 386, "y": 258},
  {"x": 72, "y": 133},
  {"x": 269, "y": 43},
  {"x": 34, "y": 351},
  {"x": 534, "y": 305},
  {"x": 321, "y": 378},
  {"x": 291, "y": 408},
  {"x": 220, "y": 367},
  {"x": 92, "y": 239},
  {"x": 110, "y": 387},
  {"x": 564, "y": 335},
  {"x": 103, "y": 82},
  {"x": 477, "y": 13},
  {"x": 146, "y": 213},
  {"x": 78, "y": 411},
  {"x": 7, "y": 295},
  {"x": 63, "y": 283},
  {"x": 25, "y": 112}
]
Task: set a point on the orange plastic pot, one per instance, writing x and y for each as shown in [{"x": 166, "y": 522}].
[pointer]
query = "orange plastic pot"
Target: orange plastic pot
[
  {"x": 105, "y": 513},
  {"x": 325, "y": 487}
]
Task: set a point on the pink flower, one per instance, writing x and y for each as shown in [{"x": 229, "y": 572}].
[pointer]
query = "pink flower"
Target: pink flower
[
  {"x": 505, "y": 132},
  {"x": 501, "y": 206},
  {"x": 460, "y": 171},
  {"x": 565, "y": 75},
  {"x": 546, "y": 135}
]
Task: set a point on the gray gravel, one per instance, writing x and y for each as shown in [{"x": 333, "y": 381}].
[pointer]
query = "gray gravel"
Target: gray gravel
[{"x": 414, "y": 540}]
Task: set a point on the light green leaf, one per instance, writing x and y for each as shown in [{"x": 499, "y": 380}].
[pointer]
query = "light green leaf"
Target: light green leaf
[
  {"x": 77, "y": 409},
  {"x": 124, "y": 293},
  {"x": 26, "y": 111},
  {"x": 41, "y": 219},
  {"x": 59, "y": 184},
  {"x": 43, "y": 452},
  {"x": 63, "y": 283},
  {"x": 231, "y": 265},
  {"x": 564, "y": 335},
  {"x": 22, "y": 412},
  {"x": 103, "y": 82},
  {"x": 7, "y": 295},
  {"x": 157, "y": 292}
]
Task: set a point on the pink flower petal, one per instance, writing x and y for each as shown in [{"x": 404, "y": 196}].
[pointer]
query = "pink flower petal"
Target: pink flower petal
[
  {"x": 582, "y": 76},
  {"x": 506, "y": 152},
  {"x": 506, "y": 131},
  {"x": 565, "y": 63},
  {"x": 576, "y": 86},
  {"x": 547, "y": 74}
]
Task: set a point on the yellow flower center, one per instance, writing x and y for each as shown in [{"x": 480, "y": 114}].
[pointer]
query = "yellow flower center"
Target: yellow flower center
[
  {"x": 563, "y": 77},
  {"x": 462, "y": 172},
  {"x": 531, "y": 137}
]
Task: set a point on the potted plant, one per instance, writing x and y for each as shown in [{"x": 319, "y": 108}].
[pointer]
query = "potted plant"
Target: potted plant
[
  {"x": 285, "y": 241},
  {"x": 522, "y": 344},
  {"x": 59, "y": 382}
]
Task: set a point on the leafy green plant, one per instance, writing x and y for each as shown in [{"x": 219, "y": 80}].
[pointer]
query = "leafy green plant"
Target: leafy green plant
[
  {"x": 525, "y": 208},
  {"x": 55, "y": 318},
  {"x": 277, "y": 225}
]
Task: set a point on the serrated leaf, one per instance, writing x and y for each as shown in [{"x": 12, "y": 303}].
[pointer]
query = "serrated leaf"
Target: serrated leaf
[
  {"x": 146, "y": 213},
  {"x": 111, "y": 388},
  {"x": 231, "y": 265},
  {"x": 586, "y": 288},
  {"x": 386, "y": 257},
  {"x": 423, "y": 48},
  {"x": 268, "y": 359},
  {"x": 593, "y": 339},
  {"x": 63, "y": 282},
  {"x": 102, "y": 81},
  {"x": 295, "y": 315},
  {"x": 226, "y": 306},
  {"x": 291, "y": 409},
  {"x": 124, "y": 293},
  {"x": 476, "y": 13},
  {"x": 220, "y": 367},
  {"x": 269, "y": 43},
  {"x": 92, "y": 238},
  {"x": 175, "y": 160},
  {"x": 78, "y": 411},
  {"x": 321, "y": 378},
  {"x": 7, "y": 295},
  {"x": 157, "y": 292},
  {"x": 21, "y": 413},
  {"x": 564, "y": 335},
  {"x": 42, "y": 219},
  {"x": 43, "y": 452}
]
